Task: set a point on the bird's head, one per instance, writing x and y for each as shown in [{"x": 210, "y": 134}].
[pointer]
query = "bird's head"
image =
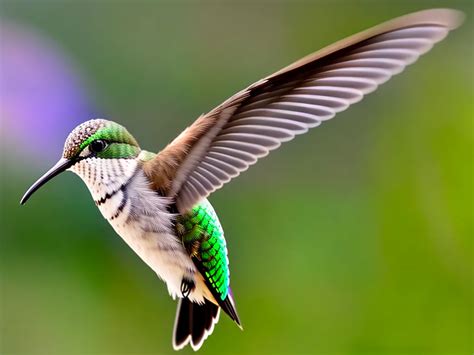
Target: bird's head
[{"x": 101, "y": 152}]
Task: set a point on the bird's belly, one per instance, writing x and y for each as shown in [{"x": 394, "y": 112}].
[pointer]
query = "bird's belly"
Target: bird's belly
[
  {"x": 156, "y": 245},
  {"x": 167, "y": 261}
]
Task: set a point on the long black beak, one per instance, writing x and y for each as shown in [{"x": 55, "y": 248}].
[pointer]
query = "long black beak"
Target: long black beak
[{"x": 58, "y": 168}]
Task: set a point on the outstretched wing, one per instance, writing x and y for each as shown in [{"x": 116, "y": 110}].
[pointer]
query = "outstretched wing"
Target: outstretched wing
[{"x": 233, "y": 136}]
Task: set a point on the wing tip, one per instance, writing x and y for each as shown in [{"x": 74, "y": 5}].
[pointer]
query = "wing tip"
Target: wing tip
[
  {"x": 445, "y": 17},
  {"x": 229, "y": 307},
  {"x": 449, "y": 18}
]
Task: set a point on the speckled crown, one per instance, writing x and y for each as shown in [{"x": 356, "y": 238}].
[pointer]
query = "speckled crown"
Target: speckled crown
[{"x": 80, "y": 134}]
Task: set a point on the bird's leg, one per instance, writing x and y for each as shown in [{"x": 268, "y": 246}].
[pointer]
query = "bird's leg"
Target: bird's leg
[{"x": 187, "y": 286}]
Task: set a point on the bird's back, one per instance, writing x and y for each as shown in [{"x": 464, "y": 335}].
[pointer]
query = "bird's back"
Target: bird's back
[{"x": 203, "y": 238}]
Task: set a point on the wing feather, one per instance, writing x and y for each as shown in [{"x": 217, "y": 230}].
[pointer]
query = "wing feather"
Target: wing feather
[{"x": 233, "y": 136}]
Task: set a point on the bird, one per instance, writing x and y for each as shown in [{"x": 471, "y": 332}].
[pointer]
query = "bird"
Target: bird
[{"x": 157, "y": 202}]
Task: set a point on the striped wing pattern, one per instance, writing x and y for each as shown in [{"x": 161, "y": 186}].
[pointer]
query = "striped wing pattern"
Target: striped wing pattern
[{"x": 225, "y": 142}]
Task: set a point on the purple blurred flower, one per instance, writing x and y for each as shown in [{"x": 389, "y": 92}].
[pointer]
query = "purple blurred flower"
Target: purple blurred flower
[{"x": 41, "y": 94}]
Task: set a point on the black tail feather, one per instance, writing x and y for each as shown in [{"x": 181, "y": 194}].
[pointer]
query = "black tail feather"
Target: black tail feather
[
  {"x": 182, "y": 324},
  {"x": 194, "y": 323}
]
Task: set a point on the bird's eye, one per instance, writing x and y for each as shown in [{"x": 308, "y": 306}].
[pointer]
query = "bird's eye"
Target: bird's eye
[{"x": 98, "y": 145}]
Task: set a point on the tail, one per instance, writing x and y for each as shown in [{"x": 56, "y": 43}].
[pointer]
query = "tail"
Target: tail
[{"x": 194, "y": 323}]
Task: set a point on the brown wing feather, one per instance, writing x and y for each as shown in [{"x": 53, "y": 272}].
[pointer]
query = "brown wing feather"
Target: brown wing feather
[
  {"x": 226, "y": 141},
  {"x": 451, "y": 19},
  {"x": 162, "y": 170}
]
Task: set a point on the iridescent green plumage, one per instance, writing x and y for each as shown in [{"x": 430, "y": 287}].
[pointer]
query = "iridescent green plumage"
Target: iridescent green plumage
[
  {"x": 111, "y": 131},
  {"x": 119, "y": 142},
  {"x": 203, "y": 237},
  {"x": 119, "y": 150}
]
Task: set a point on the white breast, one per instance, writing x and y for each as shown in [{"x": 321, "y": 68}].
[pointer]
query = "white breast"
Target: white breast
[{"x": 139, "y": 215}]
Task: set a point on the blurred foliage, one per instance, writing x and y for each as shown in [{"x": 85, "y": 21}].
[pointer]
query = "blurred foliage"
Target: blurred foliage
[{"x": 355, "y": 238}]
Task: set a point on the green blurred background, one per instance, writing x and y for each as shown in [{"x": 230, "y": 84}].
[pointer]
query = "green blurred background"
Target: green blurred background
[{"x": 353, "y": 239}]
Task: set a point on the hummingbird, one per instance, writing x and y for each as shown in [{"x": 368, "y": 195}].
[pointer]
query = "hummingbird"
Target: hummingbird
[{"x": 157, "y": 202}]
